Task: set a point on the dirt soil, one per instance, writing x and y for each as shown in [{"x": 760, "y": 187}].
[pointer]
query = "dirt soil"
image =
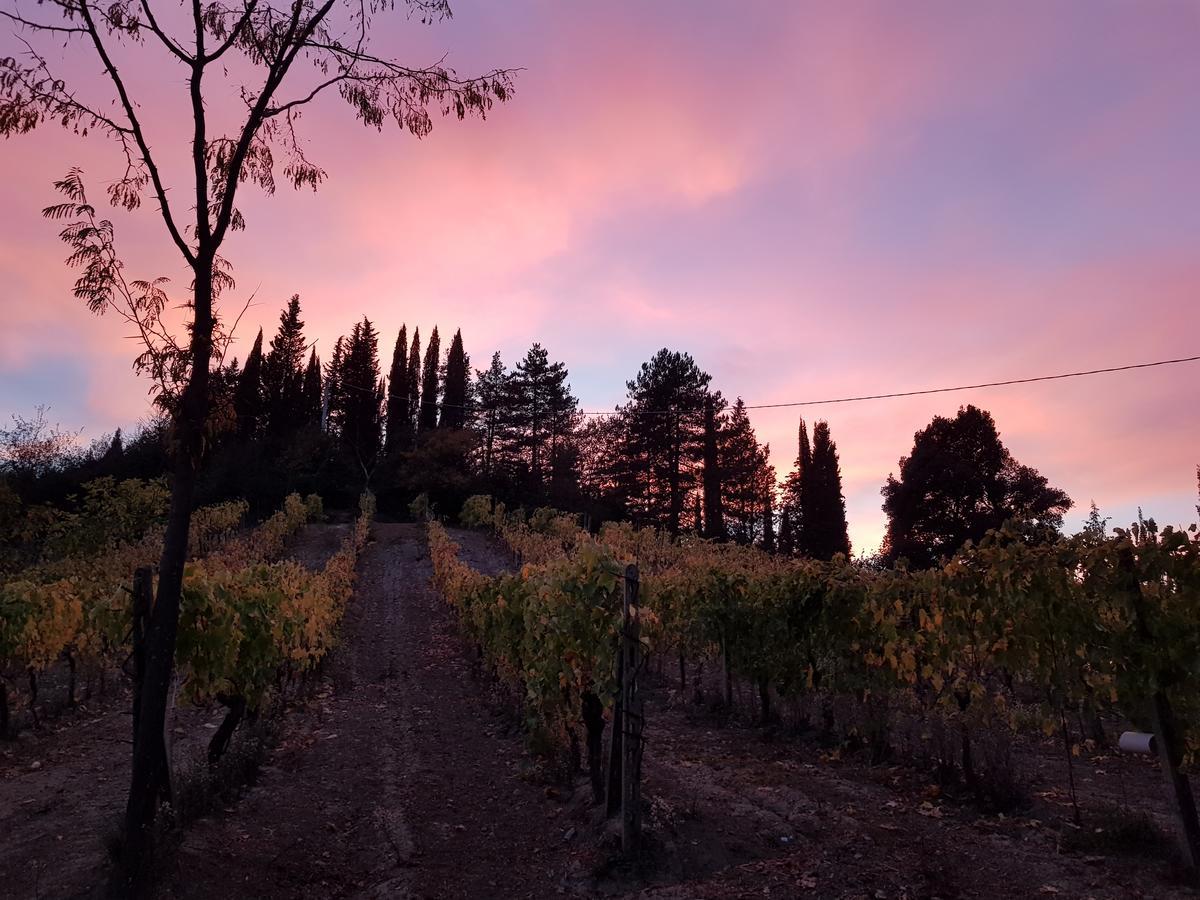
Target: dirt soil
[
  {"x": 407, "y": 775},
  {"x": 63, "y": 785}
]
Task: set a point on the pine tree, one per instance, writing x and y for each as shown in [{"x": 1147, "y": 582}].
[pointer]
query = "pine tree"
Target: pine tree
[
  {"x": 543, "y": 414},
  {"x": 792, "y": 501},
  {"x": 427, "y": 420},
  {"x": 312, "y": 390},
  {"x": 664, "y": 438},
  {"x": 455, "y": 385},
  {"x": 1096, "y": 526},
  {"x": 283, "y": 374},
  {"x": 714, "y": 514},
  {"x": 493, "y": 405},
  {"x": 740, "y": 460},
  {"x": 248, "y": 396},
  {"x": 398, "y": 434},
  {"x": 824, "y": 531}
]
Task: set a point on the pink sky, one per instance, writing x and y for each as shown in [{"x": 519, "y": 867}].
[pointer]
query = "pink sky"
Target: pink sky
[{"x": 813, "y": 200}]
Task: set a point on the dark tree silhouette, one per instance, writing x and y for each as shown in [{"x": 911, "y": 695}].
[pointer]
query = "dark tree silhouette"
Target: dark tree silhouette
[
  {"x": 603, "y": 467},
  {"x": 664, "y": 437},
  {"x": 357, "y": 415},
  {"x": 959, "y": 482},
  {"x": 456, "y": 385},
  {"x": 744, "y": 478},
  {"x": 542, "y": 416},
  {"x": 823, "y": 533},
  {"x": 399, "y": 407},
  {"x": 713, "y": 507},
  {"x": 248, "y": 397},
  {"x": 791, "y": 507},
  {"x": 493, "y": 404},
  {"x": 427, "y": 418},
  {"x": 414, "y": 384},
  {"x": 220, "y": 43},
  {"x": 312, "y": 390},
  {"x": 283, "y": 375}
]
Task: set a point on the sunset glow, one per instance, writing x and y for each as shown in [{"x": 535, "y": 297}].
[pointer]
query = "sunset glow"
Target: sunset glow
[{"x": 814, "y": 201}]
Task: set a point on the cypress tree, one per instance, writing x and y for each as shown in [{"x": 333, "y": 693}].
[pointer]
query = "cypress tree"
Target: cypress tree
[
  {"x": 414, "y": 385},
  {"x": 427, "y": 419},
  {"x": 824, "y": 533},
  {"x": 283, "y": 373},
  {"x": 312, "y": 390},
  {"x": 714, "y": 516},
  {"x": 456, "y": 385},
  {"x": 361, "y": 396},
  {"x": 399, "y": 412},
  {"x": 792, "y": 502},
  {"x": 248, "y": 396}
]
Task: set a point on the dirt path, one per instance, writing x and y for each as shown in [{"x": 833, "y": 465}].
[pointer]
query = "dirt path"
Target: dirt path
[{"x": 398, "y": 782}]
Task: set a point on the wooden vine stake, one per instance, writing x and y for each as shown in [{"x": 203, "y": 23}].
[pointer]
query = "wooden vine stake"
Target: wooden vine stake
[
  {"x": 1169, "y": 737},
  {"x": 631, "y": 714}
]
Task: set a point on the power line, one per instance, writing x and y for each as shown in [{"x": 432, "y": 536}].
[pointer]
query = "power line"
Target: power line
[
  {"x": 888, "y": 396},
  {"x": 942, "y": 390}
]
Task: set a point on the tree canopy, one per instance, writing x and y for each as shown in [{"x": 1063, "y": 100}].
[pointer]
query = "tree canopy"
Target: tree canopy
[{"x": 959, "y": 482}]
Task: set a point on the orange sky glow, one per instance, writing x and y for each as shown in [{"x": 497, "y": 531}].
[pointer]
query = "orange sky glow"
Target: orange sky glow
[{"x": 813, "y": 200}]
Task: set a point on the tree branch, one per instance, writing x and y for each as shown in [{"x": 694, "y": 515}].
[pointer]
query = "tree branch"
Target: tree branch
[
  {"x": 136, "y": 127},
  {"x": 40, "y": 26},
  {"x": 199, "y": 140},
  {"x": 162, "y": 35},
  {"x": 233, "y": 34},
  {"x": 289, "y": 48}
]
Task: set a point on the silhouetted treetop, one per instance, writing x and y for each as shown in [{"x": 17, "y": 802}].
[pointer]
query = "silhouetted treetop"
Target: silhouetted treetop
[{"x": 958, "y": 482}]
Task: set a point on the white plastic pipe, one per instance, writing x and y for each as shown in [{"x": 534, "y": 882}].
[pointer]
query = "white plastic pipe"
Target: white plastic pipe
[{"x": 1137, "y": 742}]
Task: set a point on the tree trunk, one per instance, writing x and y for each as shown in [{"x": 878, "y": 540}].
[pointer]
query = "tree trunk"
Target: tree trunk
[
  {"x": 70, "y": 679},
  {"x": 220, "y": 740},
  {"x": 1075, "y": 816},
  {"x": 968, "y": 765},
  {"x": 728, "y": 673},
  {"x": 151, "y": 767},
  {"x": 682, "y": 673},
  {"x": 764, "y": 697},
  {"x": 3, "y": 709},
  {"x": 1170, "y": 753},
  {"x": 33, "y": 698},
  {"x": 616, "y": 745},
  {"x": 593, "y": 720}
]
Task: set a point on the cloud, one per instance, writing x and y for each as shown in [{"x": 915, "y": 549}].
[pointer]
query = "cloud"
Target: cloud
[{"x": 813, "y": 202}]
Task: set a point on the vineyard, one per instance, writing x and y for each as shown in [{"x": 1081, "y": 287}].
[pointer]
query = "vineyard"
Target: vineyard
[
  {"x": 790, "y": 708},
  {"x": 251, "y": 620},
  {"x": 1006, "y": 638}
]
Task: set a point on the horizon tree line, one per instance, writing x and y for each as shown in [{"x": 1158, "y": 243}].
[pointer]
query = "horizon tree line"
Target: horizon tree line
[{"x": 676, "y": 455}]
